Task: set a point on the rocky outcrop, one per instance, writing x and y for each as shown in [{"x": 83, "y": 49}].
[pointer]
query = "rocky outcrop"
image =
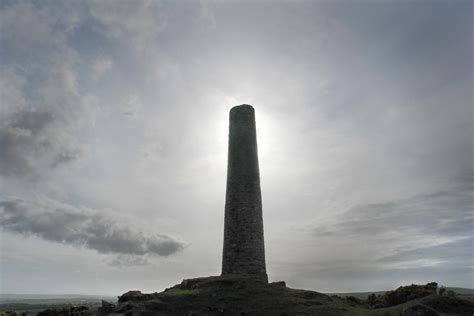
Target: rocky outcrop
[
  {"x": 246, "y": 295},
  {"x": 227, "y": 295}
]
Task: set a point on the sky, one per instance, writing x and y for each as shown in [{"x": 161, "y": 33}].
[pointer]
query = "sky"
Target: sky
[{"x": 113, "y": 141}]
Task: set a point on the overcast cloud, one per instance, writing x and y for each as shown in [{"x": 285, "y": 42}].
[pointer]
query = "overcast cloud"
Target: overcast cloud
[
  {"x": 62, "y": 223},
  {"x": 113, "y": 135}
]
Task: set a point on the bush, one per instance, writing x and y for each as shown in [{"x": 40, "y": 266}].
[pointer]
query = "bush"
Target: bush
[
  {"x": 401, "y": 295},
  {"x": 442, "y": 290}
]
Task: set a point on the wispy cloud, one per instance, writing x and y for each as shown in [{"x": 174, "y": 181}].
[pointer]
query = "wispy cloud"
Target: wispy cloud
[
  {"x": 58, "y": 222},
  {"x": 100, "y": 66},
  {"x": 442, "y": 214},
  {"x": 42, "y": 106},
  {"x": 424, "y": 230},
  {"x": 138, "y": 22},
  {"x": 30, "y": 141}
]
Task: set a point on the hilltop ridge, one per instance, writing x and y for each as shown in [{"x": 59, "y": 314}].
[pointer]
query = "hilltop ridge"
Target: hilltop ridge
[{"x": 241, "y": 295}]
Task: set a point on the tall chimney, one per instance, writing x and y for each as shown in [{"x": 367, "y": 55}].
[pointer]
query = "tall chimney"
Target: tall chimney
[{"x": 244, "y": 250}]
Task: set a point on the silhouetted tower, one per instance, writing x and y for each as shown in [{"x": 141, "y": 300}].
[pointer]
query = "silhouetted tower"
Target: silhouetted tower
[{"x": 244, "y": 250}]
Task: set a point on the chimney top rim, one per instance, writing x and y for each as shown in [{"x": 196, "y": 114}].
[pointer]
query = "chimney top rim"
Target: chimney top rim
[{"x": 242, "y": 107}]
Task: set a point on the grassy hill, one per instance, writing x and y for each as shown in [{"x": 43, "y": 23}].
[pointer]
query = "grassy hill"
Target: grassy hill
[
  {"x": 364, "y": 295},
  {"x": 237, "y": 294}
]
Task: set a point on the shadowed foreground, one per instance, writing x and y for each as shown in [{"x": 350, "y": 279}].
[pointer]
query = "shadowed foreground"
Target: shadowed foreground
[{"x": 240, "y": 295}]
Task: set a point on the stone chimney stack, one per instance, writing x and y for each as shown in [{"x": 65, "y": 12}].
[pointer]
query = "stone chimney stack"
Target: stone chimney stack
[{"x": 244, "y": 250}]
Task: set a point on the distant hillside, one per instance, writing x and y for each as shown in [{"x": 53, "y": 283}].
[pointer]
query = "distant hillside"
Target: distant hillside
[
  {"x": 53, "y": 298},
  {"x": 363, "y": 295},
  {"x": 239, "y": 294},
  {"x": 460, "y": 290},
  {"x": 244, "y": 295},
  {"x": 360, "y": 295},
  {"x": 31, "y": 304}
]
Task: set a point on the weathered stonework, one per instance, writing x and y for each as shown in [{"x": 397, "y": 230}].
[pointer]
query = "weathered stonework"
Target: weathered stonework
[{"x": 244, "y": 251}]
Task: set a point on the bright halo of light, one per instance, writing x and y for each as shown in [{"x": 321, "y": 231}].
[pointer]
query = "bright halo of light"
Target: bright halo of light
[
  {"x": 263, "y": 121},
  {"x": 266, "y": 126}
]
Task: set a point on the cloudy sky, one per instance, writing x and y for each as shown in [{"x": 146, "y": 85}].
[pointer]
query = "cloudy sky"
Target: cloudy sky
[{"x": 113, "y": 140}]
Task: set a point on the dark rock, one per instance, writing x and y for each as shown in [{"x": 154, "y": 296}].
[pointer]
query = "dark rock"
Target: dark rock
[
  {"x": 106, "y": 308},
  {"x": 278, "y": 284},
  {"x": 106, "y": 304},
  {"x": 226, "y": 295},
  {"x": 132, "y": 296}
]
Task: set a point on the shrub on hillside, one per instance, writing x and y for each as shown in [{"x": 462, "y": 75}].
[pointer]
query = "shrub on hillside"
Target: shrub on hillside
[{"x": 401, "y": 295}]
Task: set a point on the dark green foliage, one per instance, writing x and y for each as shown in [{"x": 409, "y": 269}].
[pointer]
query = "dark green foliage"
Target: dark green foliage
[
  {"x": 450, "y": 305},
  {"x": 373, "y": 300},
  {"x": 353, "y": 301},
  {"x": 442, "y": 290},
  {"x": 451, "y": 293},
  {"x": 401, "y": 295},
  {"x": 75, "y": 310},
  {"x": 419, "y": 310}
]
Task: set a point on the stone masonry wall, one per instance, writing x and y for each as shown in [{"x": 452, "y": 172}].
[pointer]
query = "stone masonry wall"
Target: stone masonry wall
[{"x": 244, "y": 251}]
